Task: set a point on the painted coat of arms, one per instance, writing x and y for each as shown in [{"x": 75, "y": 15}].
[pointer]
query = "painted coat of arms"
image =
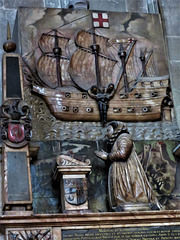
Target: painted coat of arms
[{"x": 75, "y": 190}]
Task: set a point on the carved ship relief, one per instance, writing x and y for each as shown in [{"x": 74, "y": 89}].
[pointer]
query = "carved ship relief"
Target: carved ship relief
[{"x": 95, "y": 82}]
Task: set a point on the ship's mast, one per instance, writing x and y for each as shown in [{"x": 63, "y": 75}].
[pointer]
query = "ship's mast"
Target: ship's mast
[
  {"x": 57, "y": 53},
  {"x": 95, "y": 51},
  {"x": 122, "y": 55},
  {"x": 143, "y": 72},
  {"x": 143, "y": 61}
]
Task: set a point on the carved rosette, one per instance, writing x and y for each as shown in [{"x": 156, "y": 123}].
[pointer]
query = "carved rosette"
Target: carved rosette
[
  {"x": 16, "y": 123},
  {"x": 29, "y": 234}
]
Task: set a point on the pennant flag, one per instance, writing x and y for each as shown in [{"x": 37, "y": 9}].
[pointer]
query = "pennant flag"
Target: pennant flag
[{"x": 100, "y": 20}]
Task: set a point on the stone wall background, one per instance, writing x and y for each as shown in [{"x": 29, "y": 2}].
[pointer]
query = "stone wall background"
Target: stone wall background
[{"x": 169, "y": 11}]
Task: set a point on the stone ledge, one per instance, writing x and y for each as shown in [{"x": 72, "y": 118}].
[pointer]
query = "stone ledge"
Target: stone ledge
[{"x": 92, "y": 219}]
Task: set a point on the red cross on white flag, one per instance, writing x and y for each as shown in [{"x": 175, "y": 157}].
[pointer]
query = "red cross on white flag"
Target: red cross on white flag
[{"x": 100, "y": 20}]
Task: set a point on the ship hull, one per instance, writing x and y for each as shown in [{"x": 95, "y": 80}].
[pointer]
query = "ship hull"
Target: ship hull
[{"x": 143, "y": 103}]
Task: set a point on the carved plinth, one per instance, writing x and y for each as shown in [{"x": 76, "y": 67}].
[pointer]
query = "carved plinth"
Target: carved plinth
[{"x": 72, "y": 175}]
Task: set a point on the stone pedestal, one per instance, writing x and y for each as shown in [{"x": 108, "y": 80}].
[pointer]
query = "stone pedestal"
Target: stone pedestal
[{"x": 72, "y": 175}]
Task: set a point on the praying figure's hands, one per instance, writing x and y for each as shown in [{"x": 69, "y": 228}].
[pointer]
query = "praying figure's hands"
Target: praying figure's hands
[{"x": 102, "y": 154}]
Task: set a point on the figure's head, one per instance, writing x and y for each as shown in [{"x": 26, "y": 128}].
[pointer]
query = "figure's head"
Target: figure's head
[
  {"x": 110, "y": 88},
  {"x": 94, "y": 89},
  {"x": 115, "y": 129}
]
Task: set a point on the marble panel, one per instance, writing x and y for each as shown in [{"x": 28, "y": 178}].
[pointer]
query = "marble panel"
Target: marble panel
[
  {"x": 64, "y": 3},
  {"x": 176, "y": 100},
  {"x": 170, "y": 11},
  {"x": 174, "y": 47},
  {"x": 137, "y": 6},
  {"x": 46, "y": 195},
  {"x": 138, "y": 233},
  {"x": 1, "y": 3},
  {"x": 152, "y": 6},
  {"x": 46, "y": 192},
  {"x": 0, "y": 190},
  {"x": 2, "y": 39},
  {"x": 113, "y": 5},
  {"x": 53, "y": 3},
  {"x": 43, "y": 205},
  {"x": 177, "y": 185},
  {"x": 5, "y": 16},
  {"x": 2, "y": 237},
  {"x": 23, "y": 3},
  {"x": 175, "y": 75},
  {"x": 17, "y": 184}
]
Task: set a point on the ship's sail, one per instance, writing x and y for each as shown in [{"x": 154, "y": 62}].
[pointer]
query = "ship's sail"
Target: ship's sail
[
  {"x": 82, "y": 69},
  {"x": 84, "y": 39},
  {"x": 52, "y": 66},
  {"x": 82, "y": 66},
  {"x": 48, "y": 73},
  {"x": 47, "y": 42}
]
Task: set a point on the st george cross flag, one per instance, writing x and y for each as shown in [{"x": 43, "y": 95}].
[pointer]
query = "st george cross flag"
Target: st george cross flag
[{"x": 100, "y": 20}]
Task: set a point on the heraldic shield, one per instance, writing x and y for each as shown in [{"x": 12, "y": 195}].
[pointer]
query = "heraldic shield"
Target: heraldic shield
[
  {"x": 16, "y": 123},
  {"x": 75, "y": 191},
  {"x": 16, "y": 132}
]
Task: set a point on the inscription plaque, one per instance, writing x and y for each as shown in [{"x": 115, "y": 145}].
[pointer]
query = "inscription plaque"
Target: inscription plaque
[
  {"x": 13, "y": 88},
  {"x": 135, "y": 233},
  {"x": 18, "y": 183}
]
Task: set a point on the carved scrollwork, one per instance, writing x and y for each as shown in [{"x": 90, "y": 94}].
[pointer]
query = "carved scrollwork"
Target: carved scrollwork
[
  {"x": 16, "y": 123},
  {"x": 30, "y": 234},
  {"x": 64, "y": 160}
]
